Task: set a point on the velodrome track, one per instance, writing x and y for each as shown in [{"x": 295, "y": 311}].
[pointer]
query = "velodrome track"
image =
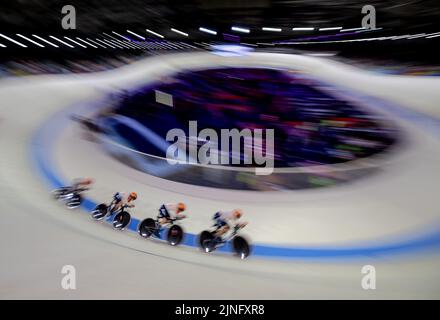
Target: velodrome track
[{"x": 387, "y": 213}]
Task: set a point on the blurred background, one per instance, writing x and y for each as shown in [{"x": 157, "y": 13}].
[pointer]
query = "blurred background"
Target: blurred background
[{"x": 355, "y": 116}]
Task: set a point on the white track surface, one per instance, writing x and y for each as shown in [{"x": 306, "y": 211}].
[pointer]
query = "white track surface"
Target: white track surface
[{"x": 39, "y": 236}]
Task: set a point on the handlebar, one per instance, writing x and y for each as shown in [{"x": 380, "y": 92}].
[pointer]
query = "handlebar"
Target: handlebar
[
  {"x": 236, "y": 228},
  {"x": 176, "y": 218},
  {"x": 240, "y": 225}
]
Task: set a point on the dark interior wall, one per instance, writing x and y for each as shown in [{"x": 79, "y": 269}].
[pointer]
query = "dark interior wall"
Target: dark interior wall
[{"x": 100, "y": 15}]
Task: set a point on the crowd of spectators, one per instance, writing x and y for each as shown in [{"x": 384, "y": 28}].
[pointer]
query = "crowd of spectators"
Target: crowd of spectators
[{"x": 311, "y": 127}]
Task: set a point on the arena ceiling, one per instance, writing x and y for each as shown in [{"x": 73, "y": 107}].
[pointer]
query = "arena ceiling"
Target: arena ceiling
[{"x": 99, "y": 15}]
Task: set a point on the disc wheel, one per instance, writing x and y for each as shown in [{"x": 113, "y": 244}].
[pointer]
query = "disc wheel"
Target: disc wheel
[
  {"x": 121, "y": 220},
  {"x": 206, "y": 241},
  {"x": 241, "y": 247},
  {"x": 147, "y": 227},
  {"x": 99, "y": 212},
  {"x": 175, "y": 235},
  {"x": 74, "y": 202},
  {"x": 61, "y": 193}
]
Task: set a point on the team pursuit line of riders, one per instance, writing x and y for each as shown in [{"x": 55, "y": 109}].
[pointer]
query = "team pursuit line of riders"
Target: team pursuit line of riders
[{"x": 225, "y": 227}]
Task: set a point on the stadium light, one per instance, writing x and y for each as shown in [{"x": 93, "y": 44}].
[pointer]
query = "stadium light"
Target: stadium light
[
  {"x": 96, "y": 43},
  {"x": 42, "y": 39},
  {"x": 330, "y": 29},
  {"x": 303, "y": 29},
  {"x": 208, "y": 31},
  {"x": 155, "y": 33},
  {"x": 135, "y": 34},
  {"x": 400, "y": 37},
  {"x": 179, "y": 32},
  {"x": 239, "y": 29},
  {"x": 369, "y": 29},
  {"x": 124, "y": 44},
  {"x": 12, "y": 40},
  {"x": 271, "y": 29},
  {"x": 61, "y": 41},
  {"x": 32, "y": 41},
  {"x": 110, "y": 36},
  {"x": 87, "y": 43},
  {"x": 116, "y": 44},
  {"x": 123, "y": 37},
  {"x": 352, "y": 29},
  {"x": 105, "y": 42},
  {"x": 75, "y": 42}
]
